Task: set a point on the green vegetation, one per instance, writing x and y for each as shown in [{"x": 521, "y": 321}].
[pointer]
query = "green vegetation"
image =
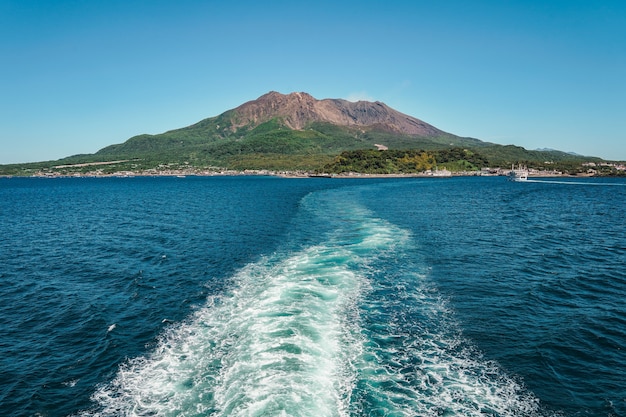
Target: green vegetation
[
  {"x": 405, "y": 161},
  {"x": 381, "y": 162}
]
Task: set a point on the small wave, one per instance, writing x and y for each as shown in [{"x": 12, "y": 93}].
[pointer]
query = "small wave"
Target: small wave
[{"x": 71, "y": 383}]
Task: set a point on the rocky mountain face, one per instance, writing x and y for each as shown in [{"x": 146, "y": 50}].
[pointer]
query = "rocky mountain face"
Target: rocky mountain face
[{"x": 298, "y": 110}]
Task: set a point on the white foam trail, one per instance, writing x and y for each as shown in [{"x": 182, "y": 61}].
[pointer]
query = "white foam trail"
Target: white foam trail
[
  {"x": 416, "y": 361},
  {"x": 609, "y": 184},
  {"x": 320, "y": 332},
  {"x": 283, "y": 341}
]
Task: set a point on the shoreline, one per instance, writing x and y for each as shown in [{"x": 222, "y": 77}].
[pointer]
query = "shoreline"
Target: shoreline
[{"x": 285, "y": 174}]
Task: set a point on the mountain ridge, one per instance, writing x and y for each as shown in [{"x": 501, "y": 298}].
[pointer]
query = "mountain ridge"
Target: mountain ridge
[{"x": 300, "y": 109}]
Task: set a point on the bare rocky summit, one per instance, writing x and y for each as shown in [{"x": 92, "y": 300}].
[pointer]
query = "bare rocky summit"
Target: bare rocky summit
[{"x": 297, "y": 110}]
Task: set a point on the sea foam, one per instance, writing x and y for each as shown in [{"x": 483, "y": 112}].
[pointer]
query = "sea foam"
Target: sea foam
[{"x": 321, "y": 331}]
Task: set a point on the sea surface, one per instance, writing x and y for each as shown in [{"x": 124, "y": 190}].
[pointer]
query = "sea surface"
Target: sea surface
[{"x": 262, "y": 296}]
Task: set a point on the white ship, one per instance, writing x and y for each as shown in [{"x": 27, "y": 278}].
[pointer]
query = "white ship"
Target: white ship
[{"x": 518, "y": 174}]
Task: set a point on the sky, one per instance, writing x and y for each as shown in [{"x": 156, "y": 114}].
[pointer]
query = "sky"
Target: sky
[{"x": 79, "y": 75}]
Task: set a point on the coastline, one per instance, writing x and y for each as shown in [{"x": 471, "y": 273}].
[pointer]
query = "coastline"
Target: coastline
[
  {"x": 192, "y": 172},
  {"x": 126, "y": 168}
]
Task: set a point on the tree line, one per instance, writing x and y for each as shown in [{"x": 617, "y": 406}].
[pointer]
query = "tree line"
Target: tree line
[{"x": 405, "y": 161}]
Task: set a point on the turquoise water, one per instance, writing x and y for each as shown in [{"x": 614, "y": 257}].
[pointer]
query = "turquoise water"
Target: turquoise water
[{"x": 258, "y": 296}]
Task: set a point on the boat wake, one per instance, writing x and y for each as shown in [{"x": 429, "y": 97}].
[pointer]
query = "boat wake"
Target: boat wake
[
  {"x": 347, "y": 326},
  {"x": 606, "y": 184}
]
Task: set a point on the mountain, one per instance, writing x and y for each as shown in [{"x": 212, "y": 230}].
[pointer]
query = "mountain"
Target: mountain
[
  {"x": 287, "y": 131},
  {"x": 291, "y": 132}
]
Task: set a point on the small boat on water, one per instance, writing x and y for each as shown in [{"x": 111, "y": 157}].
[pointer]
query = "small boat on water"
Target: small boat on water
[{"x": 518, "y": 174}]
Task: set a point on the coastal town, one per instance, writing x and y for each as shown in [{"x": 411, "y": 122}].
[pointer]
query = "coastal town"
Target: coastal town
[{"x": 104, "y": 170}]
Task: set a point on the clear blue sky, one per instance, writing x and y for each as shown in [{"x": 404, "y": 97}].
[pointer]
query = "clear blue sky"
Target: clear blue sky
[{"x": 79, "y": 75}]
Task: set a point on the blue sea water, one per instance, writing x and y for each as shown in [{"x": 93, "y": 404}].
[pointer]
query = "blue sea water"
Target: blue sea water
[{"x": 260, "y": 296}]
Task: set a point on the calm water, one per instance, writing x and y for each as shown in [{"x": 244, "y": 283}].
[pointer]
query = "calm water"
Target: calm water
[{"x": 254, "y": 296}]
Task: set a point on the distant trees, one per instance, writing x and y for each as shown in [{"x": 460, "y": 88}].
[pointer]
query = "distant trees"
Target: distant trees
[
  {"x": 380, "y": 162},
  {"x": 459, "y": 154},
  {"x": 404, "y": 161}
]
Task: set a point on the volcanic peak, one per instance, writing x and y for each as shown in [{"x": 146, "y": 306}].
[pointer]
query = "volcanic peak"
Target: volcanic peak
[{"x": 299, "y": 109}]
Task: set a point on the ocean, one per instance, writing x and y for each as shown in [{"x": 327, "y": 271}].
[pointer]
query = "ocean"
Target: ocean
[{"x": 264, "y": 296}]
